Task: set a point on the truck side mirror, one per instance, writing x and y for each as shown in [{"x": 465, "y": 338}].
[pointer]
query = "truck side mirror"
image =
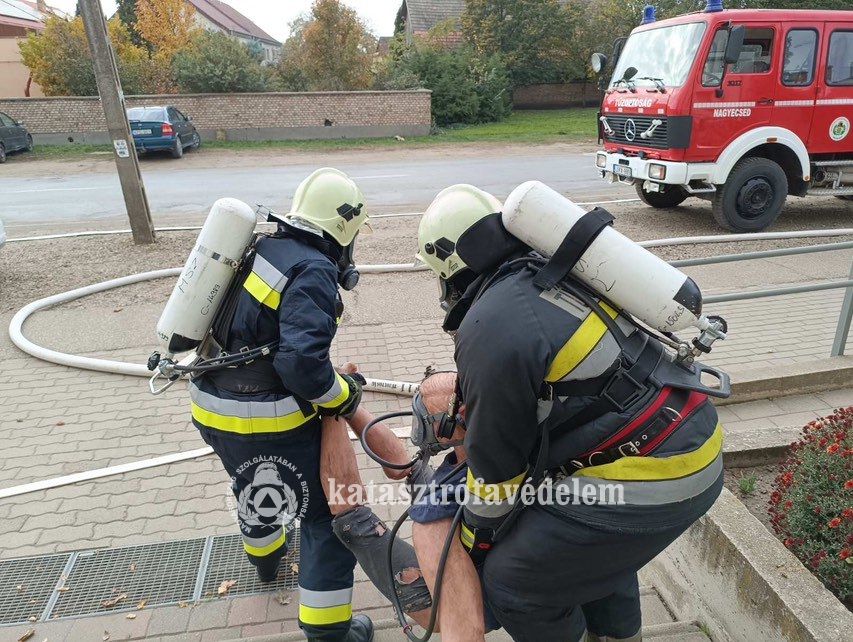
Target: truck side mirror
[
  {"x": 598, "y": 62},
  {"x": 734, "y": 46}
]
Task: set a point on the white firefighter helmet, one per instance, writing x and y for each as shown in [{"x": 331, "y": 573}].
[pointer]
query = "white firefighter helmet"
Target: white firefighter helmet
[
  {"x": 450, "y": 215},
  {"x": 331, "y": 201}
]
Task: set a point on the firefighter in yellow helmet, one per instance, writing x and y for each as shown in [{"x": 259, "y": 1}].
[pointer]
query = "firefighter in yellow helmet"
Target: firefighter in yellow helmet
[
  {"x": 558, "y": 390},
  {"x": 268, "y": 413}
]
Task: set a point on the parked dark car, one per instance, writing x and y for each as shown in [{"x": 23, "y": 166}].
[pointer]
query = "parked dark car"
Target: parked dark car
[
  {"x": 162, "y": 129},
  {"x": 14, "y": 137}
]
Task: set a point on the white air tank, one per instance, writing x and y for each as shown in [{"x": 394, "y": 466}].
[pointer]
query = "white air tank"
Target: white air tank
[
  {"x": 623, "y": 272},
  {"x": 207, "y": 274}
]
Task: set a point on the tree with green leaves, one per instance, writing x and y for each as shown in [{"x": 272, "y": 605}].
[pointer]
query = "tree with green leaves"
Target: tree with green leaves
[
  {"x": 330, "y": 49},
  {"x": 216, "y": 63},
  {"x": 466, "y": 88},
  {"x": 126, "y": 11},
  {"x": 532, "y": 36}
]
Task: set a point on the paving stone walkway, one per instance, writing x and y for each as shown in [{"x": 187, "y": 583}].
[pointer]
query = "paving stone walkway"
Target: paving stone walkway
[{"x": 56, "y": 420}]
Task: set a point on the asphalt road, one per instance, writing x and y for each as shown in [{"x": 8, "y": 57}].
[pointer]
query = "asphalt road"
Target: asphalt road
[{"x": 181, "y": 191}]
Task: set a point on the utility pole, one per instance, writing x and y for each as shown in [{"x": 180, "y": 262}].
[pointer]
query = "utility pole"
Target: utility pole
[{"x": 112, "y": 99}]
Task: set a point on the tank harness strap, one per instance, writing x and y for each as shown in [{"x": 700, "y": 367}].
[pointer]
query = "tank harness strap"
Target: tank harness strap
[
  {"x": 579, "y": 238},
  {"x": 642, "y": 436}
]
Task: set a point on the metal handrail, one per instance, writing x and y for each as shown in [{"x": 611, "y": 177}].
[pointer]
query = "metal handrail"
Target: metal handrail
[{"x": 845, "y": 316}]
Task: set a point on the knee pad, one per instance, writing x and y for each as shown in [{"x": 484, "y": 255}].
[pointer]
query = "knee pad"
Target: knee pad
[{"x": 367, "y": 538}]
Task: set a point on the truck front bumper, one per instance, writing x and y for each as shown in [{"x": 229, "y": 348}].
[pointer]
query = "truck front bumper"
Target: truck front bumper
[{"x": 617, "y": 167}]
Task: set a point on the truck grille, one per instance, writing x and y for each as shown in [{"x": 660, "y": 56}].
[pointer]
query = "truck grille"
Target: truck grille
[{"x": 624, "y": 126}]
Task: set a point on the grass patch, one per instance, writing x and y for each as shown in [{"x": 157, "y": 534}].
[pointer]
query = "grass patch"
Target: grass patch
[
  {"x": 747, "y": 484},
  {"x": 547, "y": 126}
]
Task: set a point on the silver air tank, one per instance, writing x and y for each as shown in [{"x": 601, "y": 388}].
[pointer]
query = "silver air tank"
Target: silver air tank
[
  {"x": 206, "y": 276},
  {"x": 623, "y": 272}
]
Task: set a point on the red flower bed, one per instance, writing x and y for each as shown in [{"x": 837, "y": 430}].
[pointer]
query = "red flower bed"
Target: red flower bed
[{"x": 811, "y": 506}]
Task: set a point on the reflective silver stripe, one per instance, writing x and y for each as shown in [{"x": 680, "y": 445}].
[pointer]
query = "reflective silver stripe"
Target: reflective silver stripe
[
  {"x": 331, "y": 393},
  {"x": 488, "y": 510},
  {"x": 324, "y": 599},
  {"x": 269, "y": 274},
  {"x": 598, "y": 361},
  {"x": 260, "y": 542},
  {"x": 649, "y": 493},
  {"x": 243, "y": 409}
]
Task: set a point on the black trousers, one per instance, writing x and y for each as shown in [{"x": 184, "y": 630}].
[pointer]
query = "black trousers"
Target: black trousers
[
  {"x": 276, "y": 481},
  {"x": 562, "y": 571}
]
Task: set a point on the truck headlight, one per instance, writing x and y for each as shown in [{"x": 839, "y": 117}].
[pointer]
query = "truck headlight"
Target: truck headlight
[
  {"x": 657, "y": 171},
  {"x": 601, "y": 160}
]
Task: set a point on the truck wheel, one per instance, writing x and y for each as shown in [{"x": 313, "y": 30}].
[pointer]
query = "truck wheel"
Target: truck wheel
[
  {"x": 672, "y": 197},
  {"x": 752, "y": 197}
]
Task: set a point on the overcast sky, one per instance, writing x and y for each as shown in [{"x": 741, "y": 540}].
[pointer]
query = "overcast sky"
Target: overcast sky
[{"x": 274, "y": 16}]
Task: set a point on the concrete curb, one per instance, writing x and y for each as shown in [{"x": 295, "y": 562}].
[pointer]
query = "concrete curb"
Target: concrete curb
[
  {"x": 794, "y": 379},
  {"x": 728, "y": 571}
]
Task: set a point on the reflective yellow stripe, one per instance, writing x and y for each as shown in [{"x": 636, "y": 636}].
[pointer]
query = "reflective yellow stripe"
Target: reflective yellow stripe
[
  {"x": 324, "y": 616},
  {"x": 342, "y": 396},
  {"x": 251, "y": 425},
  {"x": 579, "y": 345},
  {"x": 661, "y": 468},
  {"x": 263, "y": 551},
  {"x": 262, "y": 291},
  {"x": 495, "y": 492},
  {"x": 467, "y": 536}
]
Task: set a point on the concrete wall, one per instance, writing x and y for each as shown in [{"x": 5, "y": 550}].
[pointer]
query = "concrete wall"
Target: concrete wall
[
  {"x": 13, "y": 73},
  {"x": 557, "y": 96},
  {"x": 267, "y": 116}
]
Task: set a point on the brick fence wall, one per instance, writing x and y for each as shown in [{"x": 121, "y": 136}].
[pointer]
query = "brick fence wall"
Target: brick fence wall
[
  {"x": 577, "y": 94},
  {"x": 264, "y": 116}
]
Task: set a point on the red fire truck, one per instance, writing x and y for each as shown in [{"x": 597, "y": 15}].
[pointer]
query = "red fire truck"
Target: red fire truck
[{"x": 739, "y": 107}]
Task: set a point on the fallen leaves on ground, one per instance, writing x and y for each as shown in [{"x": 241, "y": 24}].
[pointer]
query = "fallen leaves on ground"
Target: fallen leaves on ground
[
  {"x": 114, "y": 600},
  {"x": 295, "y": 568},
  {"x": 27, "y": 635},
  {"x": 141, "y": 605},
  {"x": 283, "y": 597},
  {"x": 131, "y": 616},
  {"x": 133, "y": 567},
  {"x": 226, "y": 586}
]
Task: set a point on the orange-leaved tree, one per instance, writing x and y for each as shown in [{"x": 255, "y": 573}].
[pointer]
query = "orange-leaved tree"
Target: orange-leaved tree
[
  {"x": 168, "y": 25},
  {"x": 330, "y": 49}
]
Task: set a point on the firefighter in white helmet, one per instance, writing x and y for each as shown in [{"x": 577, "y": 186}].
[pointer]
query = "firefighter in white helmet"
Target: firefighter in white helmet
[
  {"x": 556, "y": 388},
  {"x": 270, "y": 411}
]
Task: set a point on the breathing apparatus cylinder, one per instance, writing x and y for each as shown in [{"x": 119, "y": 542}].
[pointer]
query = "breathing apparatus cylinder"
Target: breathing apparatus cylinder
[
  {"x": 206, "y": 277},
  {"x": 613, "y": 265}
]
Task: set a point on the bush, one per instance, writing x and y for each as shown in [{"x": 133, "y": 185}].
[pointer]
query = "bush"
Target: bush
[
  {"x": 216, "y": 63},
  {"x": 464, "y": 88},
  {"x": 811, "y": 507}
]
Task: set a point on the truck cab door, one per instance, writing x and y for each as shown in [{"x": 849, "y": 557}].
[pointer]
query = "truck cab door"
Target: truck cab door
[
  {"x": 833, "y": 112},
  {"x": 797, "y": 88},
  {"x": 729, "y": 100}
]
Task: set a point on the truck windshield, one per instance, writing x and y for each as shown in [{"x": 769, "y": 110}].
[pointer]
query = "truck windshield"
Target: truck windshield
[{"x": 665, "y": 53}]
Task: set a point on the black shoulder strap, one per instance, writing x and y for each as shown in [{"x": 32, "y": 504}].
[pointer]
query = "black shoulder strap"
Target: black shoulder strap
[{"x": 579, "y": 238}]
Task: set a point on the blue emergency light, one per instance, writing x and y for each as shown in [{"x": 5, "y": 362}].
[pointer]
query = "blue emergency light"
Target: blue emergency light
[
  {"x": 648, "y": 14},
  {"x": 713, "y": 6}
]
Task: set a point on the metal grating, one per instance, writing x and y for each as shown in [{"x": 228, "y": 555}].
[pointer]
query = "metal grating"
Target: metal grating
[
  {"x": 229, "y": 562},
  {"x": 163, "y": 573},
  {"x": 26, "y": 586}
]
